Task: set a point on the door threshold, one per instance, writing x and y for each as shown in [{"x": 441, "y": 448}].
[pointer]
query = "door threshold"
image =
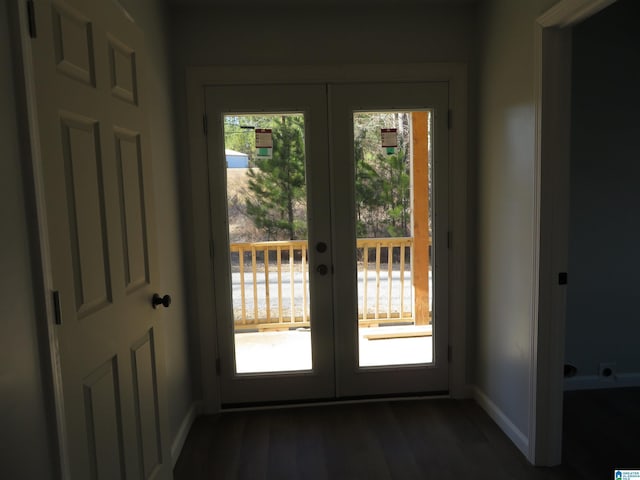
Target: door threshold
[{"x": 243, "y": 407}]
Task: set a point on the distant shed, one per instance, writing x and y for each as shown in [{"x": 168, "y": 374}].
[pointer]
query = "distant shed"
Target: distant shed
[{"x": 236, "y": 159}]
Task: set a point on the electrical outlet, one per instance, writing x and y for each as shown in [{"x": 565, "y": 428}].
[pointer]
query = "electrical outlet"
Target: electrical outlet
[{"x": 607, "y": 371}]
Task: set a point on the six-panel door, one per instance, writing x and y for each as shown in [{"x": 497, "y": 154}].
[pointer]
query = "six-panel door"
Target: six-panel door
[{"x": 94, "y": 146}]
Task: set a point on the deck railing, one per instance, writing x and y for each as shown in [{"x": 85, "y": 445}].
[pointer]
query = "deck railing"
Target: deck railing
[
  {"x": 381, "y": 258},
  {"x": 271, "y": 283},
  {"x": 270, "y": 265}
]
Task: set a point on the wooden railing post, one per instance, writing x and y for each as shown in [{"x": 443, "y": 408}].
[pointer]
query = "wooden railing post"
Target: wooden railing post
[
  {"x": 421, "y": 236},
  {"x": 254, "y": 262},
  {"x": 279, "y": 262},
  {"x": 402, "y": 257}
]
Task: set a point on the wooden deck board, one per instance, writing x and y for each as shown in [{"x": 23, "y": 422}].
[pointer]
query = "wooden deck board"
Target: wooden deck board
[{"x": 422, "y": 332}]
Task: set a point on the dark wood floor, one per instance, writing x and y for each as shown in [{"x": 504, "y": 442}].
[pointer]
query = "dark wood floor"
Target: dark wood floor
[
  {"x": 601, "y": 432},
  {"x": 421, "y": 439}
]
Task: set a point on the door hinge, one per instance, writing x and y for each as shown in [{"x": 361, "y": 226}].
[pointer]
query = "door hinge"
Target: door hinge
[
  {"x": 31, "y": 16},
  {"x": 449, "y": 239},
  {"x": 217, "y": 365},
  {"x": 205, "y": 124},
  {"x": 450, "y": 119},
  {"x": 56, "y": 307},
  {"x": 211, "y": 247},
  {"x": 563, "y": 278},
  {"x": 449, "y": 353}
]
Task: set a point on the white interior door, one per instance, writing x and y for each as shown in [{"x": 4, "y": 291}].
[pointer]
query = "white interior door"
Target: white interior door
[
  {"x": 94, "y": 146},
  {"x": 376, "y": 319}
]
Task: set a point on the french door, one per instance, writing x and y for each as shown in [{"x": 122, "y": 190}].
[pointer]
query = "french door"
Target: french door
[{"x": 329, "y": 213}]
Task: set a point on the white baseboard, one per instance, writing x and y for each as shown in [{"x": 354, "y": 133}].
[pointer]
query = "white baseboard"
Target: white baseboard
[
  {"x": 594, "y": 382},
  {"x": 183, "y": 431},
  {"x": 506, "y": 425}
]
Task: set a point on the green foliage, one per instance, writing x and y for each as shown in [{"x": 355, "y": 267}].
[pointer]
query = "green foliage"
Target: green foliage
[
  {"x": 383, "y": 195},
  {"x": 383, "y": 182},
  {"x": 277, "y": 204},
  {"x": 276, "y": 200}
]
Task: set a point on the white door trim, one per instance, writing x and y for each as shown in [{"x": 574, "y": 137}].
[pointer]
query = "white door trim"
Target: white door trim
[
  {"x": 552, "y": 75},
  {"x": 571, "y": 12},
  {"x": 198, "y": 201}
]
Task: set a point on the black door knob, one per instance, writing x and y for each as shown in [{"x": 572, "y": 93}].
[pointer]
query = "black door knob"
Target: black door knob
[
  {"x": 322, "y": 269},
  {"x": 158, "y": 300},
  {"x": 321, "y": 247}
]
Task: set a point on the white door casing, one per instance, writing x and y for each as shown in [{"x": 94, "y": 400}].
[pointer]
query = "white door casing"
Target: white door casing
[
  {"x": 96, "y": 166},
  {"x": 198, "y": 79},
  {"x": 552, "y": 75}
]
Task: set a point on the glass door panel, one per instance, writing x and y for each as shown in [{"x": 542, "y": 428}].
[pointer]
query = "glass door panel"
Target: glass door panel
[
  {"x": 392, "y": 188},
  {"x": 268, "y": 172},
  {"x": 389, "y": 165},
  {"x": 267, "y": 212}
]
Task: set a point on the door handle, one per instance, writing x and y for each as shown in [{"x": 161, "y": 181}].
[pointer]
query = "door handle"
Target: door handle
[
  {"x": 158, "y": 300},
  {"x": 322, "y": 269}
]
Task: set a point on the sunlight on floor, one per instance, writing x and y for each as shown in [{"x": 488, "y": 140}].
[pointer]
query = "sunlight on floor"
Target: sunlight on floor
[
  {"x": 291, "y": 350},
  {"x": 395, "y": 351}
]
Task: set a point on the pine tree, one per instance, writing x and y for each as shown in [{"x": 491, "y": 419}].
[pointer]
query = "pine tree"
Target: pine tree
[
  {"x": 278, "y": 187},
  {"x": 382, "y": 183},
  {"x": 398, "y": 221}
]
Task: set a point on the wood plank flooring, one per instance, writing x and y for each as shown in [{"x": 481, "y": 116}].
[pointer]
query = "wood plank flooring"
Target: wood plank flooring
[
  {"x": 415, "y": 439},
  {"x": 601, "y": 432}
]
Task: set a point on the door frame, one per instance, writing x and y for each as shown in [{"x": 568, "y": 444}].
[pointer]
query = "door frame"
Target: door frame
[
  {"x": 552, "y": 76},
  {"x": 197, "y": 200}
]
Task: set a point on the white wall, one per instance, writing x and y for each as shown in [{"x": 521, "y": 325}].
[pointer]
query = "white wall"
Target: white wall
[
  {"x": 604, "y": 255},
  {"x": 506, "y": 133},
  {"x": 24, "y": 434},
  {"x": 151, "y": 15},
  {"x": 268, "y": 35}
]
